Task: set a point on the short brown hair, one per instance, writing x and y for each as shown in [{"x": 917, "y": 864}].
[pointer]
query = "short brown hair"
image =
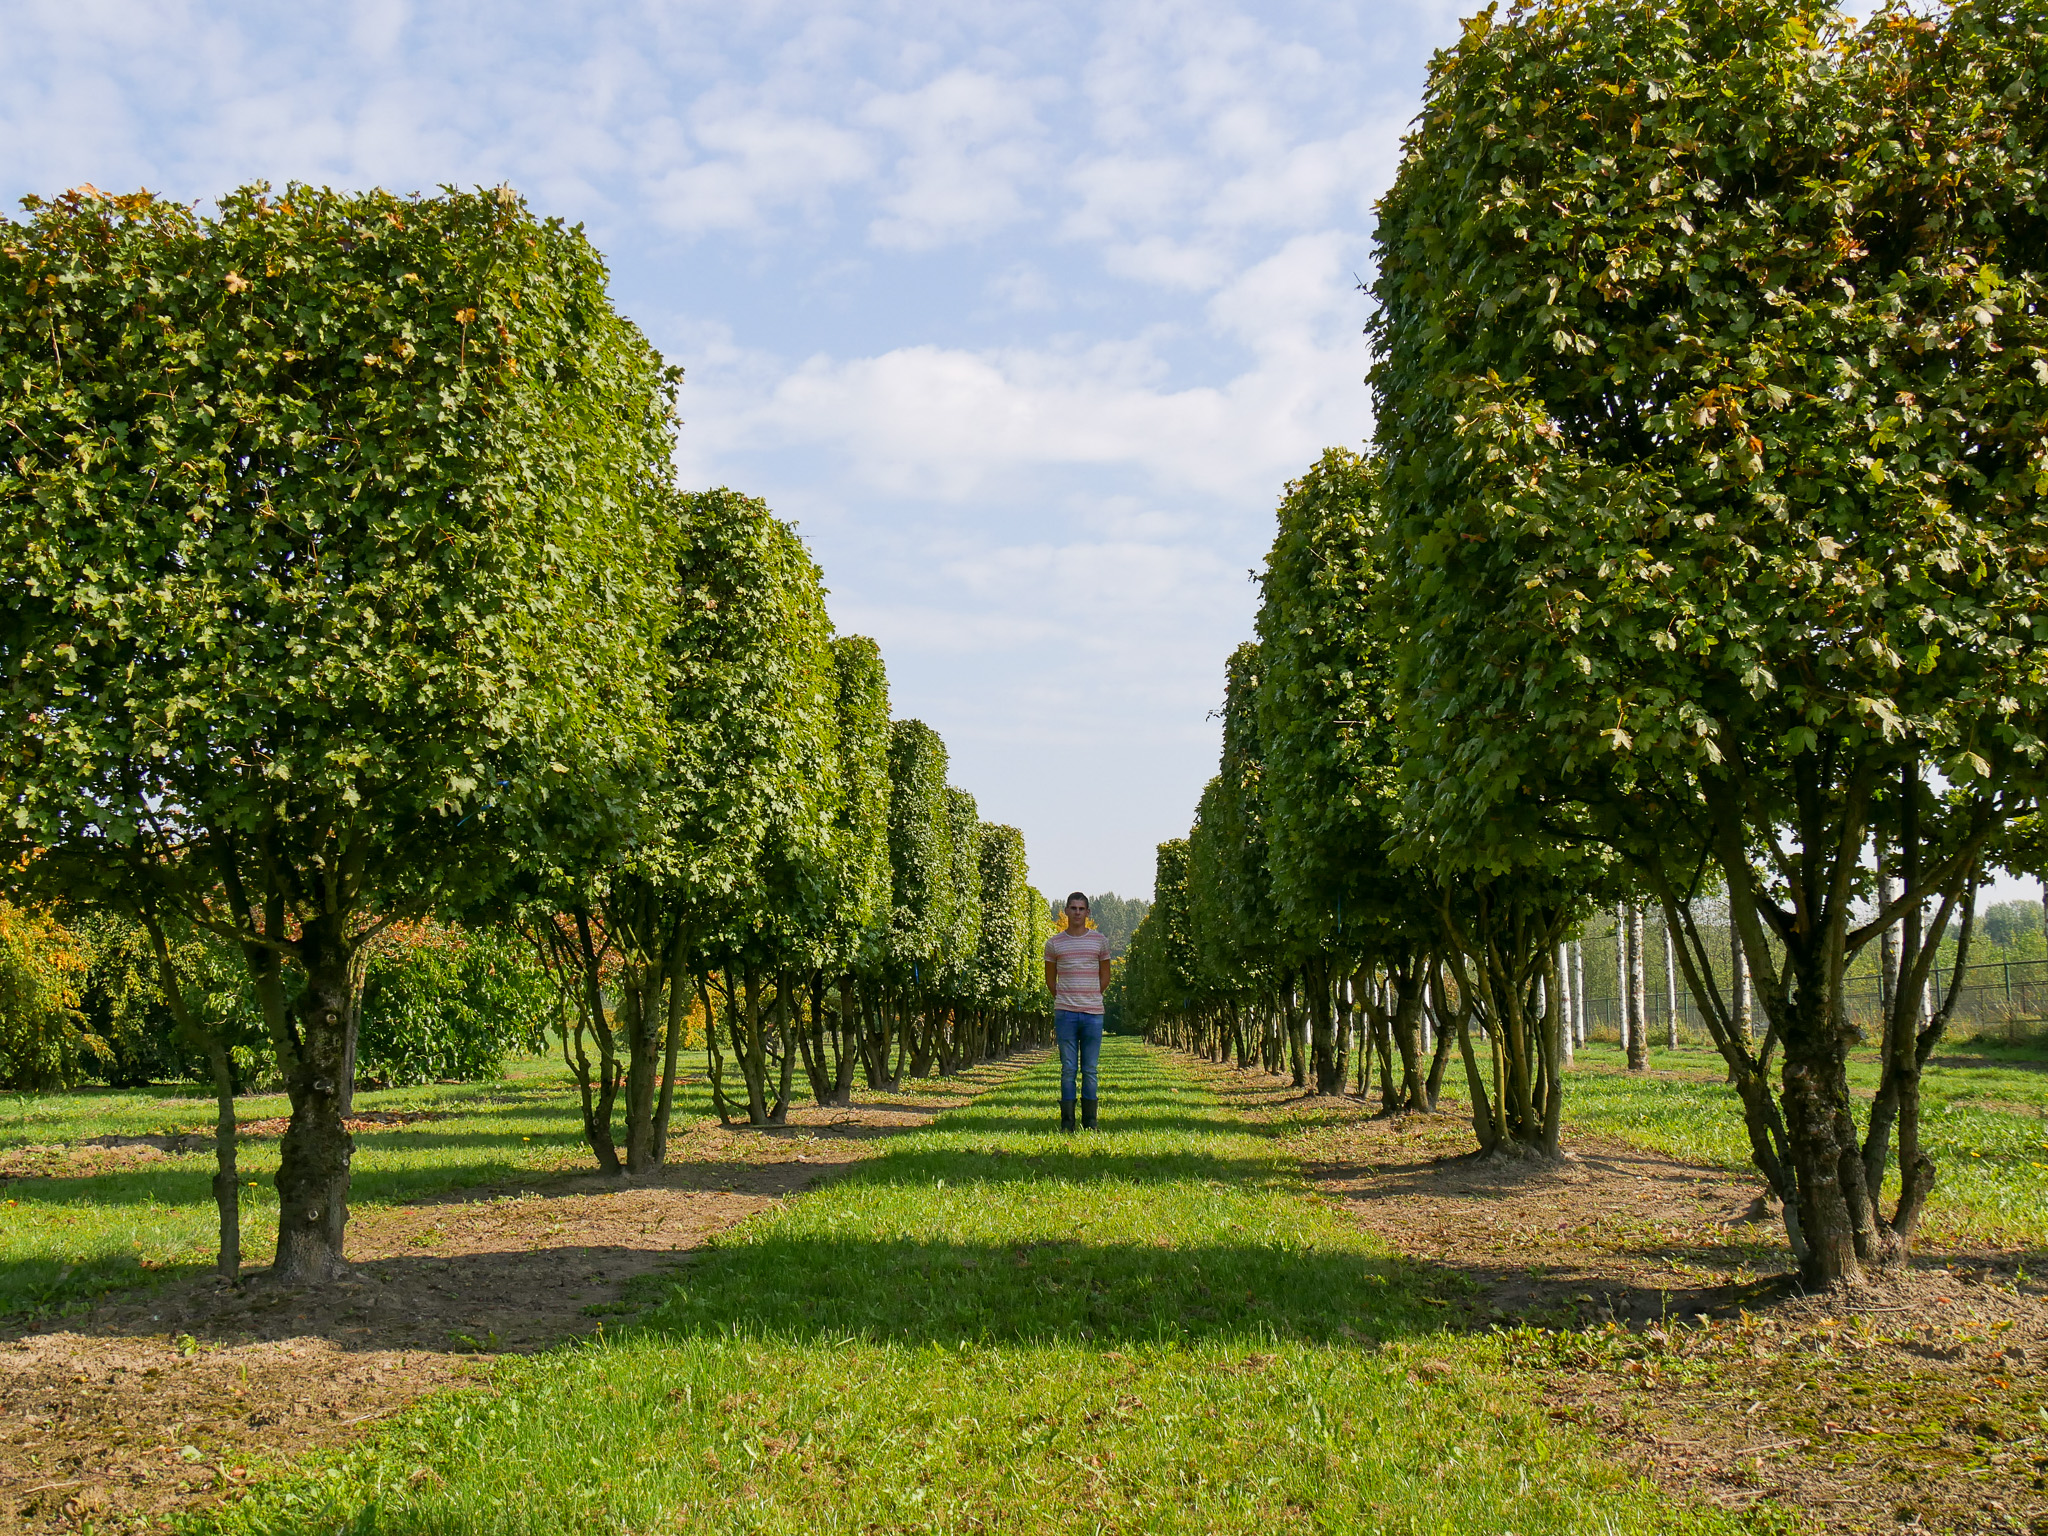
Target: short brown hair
[{"x": 1081, "y": 897}]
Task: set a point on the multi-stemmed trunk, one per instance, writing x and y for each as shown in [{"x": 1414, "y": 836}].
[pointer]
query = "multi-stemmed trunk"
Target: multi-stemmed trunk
[
  {"x": 1804, "y": 1139},
  {"x": 1511, "y": 984},
  {"x": 573, "y": 952},
  {"x": 678, "y": 1021},
  {"x": 749, "y": 1025}
]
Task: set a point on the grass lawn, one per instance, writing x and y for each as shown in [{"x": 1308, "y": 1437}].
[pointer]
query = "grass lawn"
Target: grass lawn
[
  {"x": 77, "y": 1227},
  {"x": 988, "y": 1326},
  {"x": 1984, "y": 1121}
]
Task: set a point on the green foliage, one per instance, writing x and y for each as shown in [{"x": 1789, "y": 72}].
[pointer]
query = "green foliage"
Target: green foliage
[
  {"x": 1325, "y": 702},
  {"x": 1005, "y": 926},
  {"x": 333, "y": 572},
  {"x": 327, "y": 524},
  {"x": 1711, "y": 357},
  {"x": 1115, "y": 917},
  {"x": 960, "y": 948},
  {"x": 862, "y": 908},
  {"x": 43, "y": 1043},
  {"x": 449, "y": 1004},
  {"x": 1230, "y": 888},
  {"x": 761, "y": 789},
  {"x": 1708, "y": 473},
  {"x": 1163, "y": 969},
  {"x": 1034, "y": 927},
  {"x": 920, "y": 851},
  {"x": 123, "y": 1002}
]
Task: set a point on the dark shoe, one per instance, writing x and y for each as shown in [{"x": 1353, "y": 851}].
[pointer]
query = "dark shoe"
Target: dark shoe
[
  {"x": 1066, "y": 1114},
  {"x": 1087, "y": 1114}
]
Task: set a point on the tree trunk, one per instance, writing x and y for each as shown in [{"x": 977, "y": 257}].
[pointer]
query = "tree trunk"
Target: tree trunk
[
  {"x": 641, "y": 994},
  {"x": 312, "y": 1175},
  {"x": 227, "y": 1180},
  {"x": 1553, "y": 1045},
  {"x": 1745, "y": 1024},
  {"x": 1638, "y": 1003},
  {"x": 751, "y": 1048},
  {"x": 678, "y": 1021},
  {"x": 1566, "y": 997},
  {"x": 1815, "y": 1096},
  {"x": 1578, "y": 991},
  {"x": 1887, "y": 943},
  {"x": 1323, "y": 1056},
  {"x": 849, "y": 1041},
  {"x": 1670, "y": 993},
  {"x": 778, "y": 1113},
  {"x": 1408, "y": 981},
  {"x": 1621, "y": 974},
  {"x": 1483, "y": 1129}
]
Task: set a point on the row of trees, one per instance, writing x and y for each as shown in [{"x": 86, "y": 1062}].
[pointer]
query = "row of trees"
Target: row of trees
[
  {"x": 1700, "y": 559},
  {"x": 347, "y": 586}
]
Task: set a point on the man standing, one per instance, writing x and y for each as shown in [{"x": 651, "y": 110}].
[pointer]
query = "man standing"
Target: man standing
[{"x": 1076, "y": 971}]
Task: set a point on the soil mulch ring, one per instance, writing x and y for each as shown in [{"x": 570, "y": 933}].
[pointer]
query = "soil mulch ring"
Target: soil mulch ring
[
  {"x": 170, "y": 1399},
  {"x": 1656, "y": 1302}
]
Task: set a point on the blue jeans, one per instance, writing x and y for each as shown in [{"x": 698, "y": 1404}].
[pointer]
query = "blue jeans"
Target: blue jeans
[{"x": 1080, "y": 1038}]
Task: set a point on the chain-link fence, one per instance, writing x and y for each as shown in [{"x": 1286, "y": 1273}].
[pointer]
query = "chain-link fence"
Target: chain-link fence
[{"x": 2004, "y": 999}]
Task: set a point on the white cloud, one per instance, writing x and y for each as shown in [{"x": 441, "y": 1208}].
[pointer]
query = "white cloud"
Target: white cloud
[
  {"x": 756, "y": 163},
  {"x": 972, "y": 144},
  {"x": 1024, "y": 286},
  {"x": 1162, "y": 262}
]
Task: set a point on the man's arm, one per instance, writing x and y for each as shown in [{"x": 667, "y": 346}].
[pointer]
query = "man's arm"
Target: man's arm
[
  {"x": 1052, "y": 977},
  {"x": 1103, "y": 966}
]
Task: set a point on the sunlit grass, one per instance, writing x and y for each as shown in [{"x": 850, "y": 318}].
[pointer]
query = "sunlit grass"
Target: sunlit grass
[
  {"x": 1984, "y": 1121},
  {"x": 989, "y": 1327}
]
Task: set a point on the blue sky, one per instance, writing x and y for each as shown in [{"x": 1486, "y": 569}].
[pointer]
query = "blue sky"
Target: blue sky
[{"x": 1022, "y": 312}]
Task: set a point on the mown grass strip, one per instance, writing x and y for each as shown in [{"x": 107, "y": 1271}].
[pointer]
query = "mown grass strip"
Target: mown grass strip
[{"x": 990, "y": 1327}]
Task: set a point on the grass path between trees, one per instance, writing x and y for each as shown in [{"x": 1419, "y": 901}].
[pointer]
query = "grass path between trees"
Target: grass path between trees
[{"x": 990, "y": 1327}]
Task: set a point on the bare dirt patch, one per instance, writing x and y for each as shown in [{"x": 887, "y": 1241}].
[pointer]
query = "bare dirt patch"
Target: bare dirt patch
[
  {"x": 173, "y": 1398},
  {"x": 111, "y": 1154},
  {"x": 1657, "y": 1302}
]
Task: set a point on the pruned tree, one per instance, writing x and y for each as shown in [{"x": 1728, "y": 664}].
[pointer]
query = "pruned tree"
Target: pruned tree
[
  {"x": 860, "y": 902},
  {"x": 334, "y": 554},
  {"x": 921, "y": 890},
  {"x": 1329, "y": 715},
  {"x": 1230, "y": 899},
  {"x": 1710, "y": 359},
  {"x": 766, "y": 807}
]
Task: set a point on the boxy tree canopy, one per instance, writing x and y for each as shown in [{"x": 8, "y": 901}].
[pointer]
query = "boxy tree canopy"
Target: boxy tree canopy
[
  {"x": 334, "y": 545},
  {"x": 1711, "y": 376}
]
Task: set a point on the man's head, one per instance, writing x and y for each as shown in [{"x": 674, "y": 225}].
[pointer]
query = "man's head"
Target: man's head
[{"x": 1077, "y": 910}]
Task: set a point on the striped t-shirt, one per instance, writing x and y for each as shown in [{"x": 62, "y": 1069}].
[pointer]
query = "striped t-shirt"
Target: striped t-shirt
[{"x": 1077, "y": 965}]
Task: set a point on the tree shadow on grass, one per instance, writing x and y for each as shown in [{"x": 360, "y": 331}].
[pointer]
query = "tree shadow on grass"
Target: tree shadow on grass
[{"x": 811, "y": 1288}]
